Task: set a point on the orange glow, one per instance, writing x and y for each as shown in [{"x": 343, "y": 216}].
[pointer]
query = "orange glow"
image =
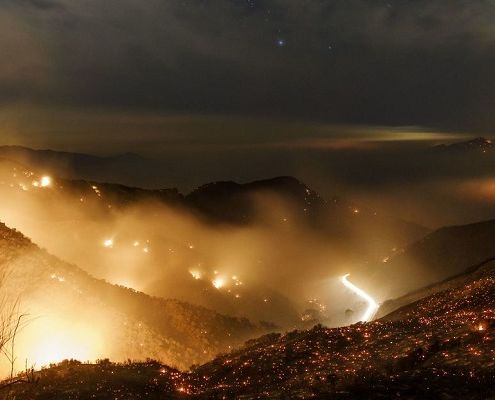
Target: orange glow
[
  {"x": 218, "y": 283},
  {"x": 51, "y": 340}
]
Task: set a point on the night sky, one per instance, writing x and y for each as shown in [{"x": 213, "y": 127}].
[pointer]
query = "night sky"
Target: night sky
[{"x": 241, "y": 85}]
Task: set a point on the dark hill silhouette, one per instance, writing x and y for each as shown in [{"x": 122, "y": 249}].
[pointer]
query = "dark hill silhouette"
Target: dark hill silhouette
[
  {"x": 233, "y": 202},
  {"x": 446, "y": 252},
  {"x": 224, "y": 202},
  {"x": 479, "y": 144}
]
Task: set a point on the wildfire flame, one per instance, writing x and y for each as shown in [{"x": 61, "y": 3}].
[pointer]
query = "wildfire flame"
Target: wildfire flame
[{"x": 218, "y": 283}]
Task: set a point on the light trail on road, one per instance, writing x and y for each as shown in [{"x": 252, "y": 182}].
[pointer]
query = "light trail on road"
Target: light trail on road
[{"x": 372, "y": 304}]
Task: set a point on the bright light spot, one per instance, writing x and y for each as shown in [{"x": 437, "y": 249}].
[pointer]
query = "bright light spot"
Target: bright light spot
[
  {"x": 218, "y": 283},
  {"x": 136, "y": 244},
  {"x": 372, "y": 305},
  {"x": 127, "y": 283},
  {"x": 45, "y": 181},
  {"x": 108, "y": 243},
  {"x": 195, "y": 274},
  {"x": 146, "y": 250},
  {"x": 53, "y": 340},
  {"x": 481, "y": 327},
  {"x": 356, "y": 211}
]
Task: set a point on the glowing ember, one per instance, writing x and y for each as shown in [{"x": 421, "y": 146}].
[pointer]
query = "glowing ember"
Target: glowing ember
[
  {"x": 45, "y": 181},
  {"x": 218, "y": 283},
  {"x": 195, "y": 274},
  {"x": 372, "y": 305},
  {"x": 108, "y": 243}
]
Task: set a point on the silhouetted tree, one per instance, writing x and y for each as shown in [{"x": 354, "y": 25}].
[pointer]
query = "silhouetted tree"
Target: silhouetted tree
[{"x": 11, "y": 322}]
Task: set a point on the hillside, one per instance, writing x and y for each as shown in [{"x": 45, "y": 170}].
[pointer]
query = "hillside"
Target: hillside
[
  {"x": 218, "y": 202},
  {"x": 446, "y": 252},
  {"x": 160, "y": 238},
  {"x": 389, "y": 308},
  {"x": 108, "y": 320},
  {"x": 440, "y": 347},
  {"x": 446, "y": 341}
]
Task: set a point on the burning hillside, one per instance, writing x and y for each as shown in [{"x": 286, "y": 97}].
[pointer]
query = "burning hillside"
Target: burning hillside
[
  {"x": 74, "y": 315},
  {"x": 240, "y": 249},
  {"x": 440, "y": 347}
]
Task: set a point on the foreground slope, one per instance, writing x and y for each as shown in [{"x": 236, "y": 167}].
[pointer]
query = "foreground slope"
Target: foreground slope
[
  {"x": 92, "y": 318},
  {"x": 441, "y": 347}
]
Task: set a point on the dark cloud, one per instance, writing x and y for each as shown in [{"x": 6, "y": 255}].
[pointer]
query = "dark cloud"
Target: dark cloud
[
  {"x": 388, "y": 62},
  {"x": 40, "y": 4}
]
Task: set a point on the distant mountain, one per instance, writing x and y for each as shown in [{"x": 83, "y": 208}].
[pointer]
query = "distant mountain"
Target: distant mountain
[
  {"x": 234, "y": 202},
  {"x": 479, "y": 144},
  {"x": 219, "y": 201},
  {"x": 126, "y": 168},
  {"x": 126, "y": 322}
]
